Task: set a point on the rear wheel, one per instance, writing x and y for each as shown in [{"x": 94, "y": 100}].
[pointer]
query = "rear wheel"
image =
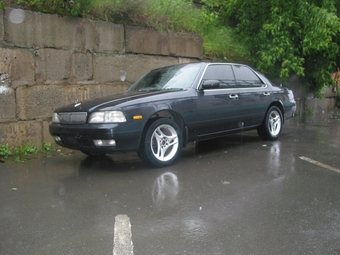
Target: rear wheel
[
  {"x": 271, "y": 127},
  {"x": 161, "y": 144}
]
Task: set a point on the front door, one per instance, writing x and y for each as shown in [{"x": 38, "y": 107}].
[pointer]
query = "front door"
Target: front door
[{"x": 218, "y": 108}]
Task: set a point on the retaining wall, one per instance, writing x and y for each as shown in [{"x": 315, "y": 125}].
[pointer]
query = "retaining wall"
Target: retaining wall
[{"x": 48, "y": 61}]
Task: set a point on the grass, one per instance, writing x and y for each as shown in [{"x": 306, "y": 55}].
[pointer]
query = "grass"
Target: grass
[{"x": 27, "y": 152}]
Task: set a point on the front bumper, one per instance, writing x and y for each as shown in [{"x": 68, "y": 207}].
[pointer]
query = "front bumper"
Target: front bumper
[{"x": 81, "y": 137}]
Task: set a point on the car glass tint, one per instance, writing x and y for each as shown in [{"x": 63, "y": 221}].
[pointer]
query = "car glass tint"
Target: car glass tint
[
  {"x": 222, "y": 73},
  {"x": 175, "y": 77},
  {"x": 245, "y": 77}
]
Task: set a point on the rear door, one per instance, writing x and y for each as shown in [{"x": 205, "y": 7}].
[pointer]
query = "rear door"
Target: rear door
[{"x": 254, "y": 94}]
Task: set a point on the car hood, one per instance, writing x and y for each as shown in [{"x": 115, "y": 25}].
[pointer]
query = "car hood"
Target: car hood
[{"x": 111, "y": 101}]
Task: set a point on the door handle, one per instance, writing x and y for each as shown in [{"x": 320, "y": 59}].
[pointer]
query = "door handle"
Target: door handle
[
  {"x": 233, "y": 96},
  {"x": 266, "y": 94}
]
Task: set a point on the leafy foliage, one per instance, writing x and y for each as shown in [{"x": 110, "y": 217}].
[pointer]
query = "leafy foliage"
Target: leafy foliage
[
  {"x": 285, "y": 37},
  {"x": 5, "y": 151},
  {"x": 47, "y": 147},
  {"x": 26, "y": 150}
]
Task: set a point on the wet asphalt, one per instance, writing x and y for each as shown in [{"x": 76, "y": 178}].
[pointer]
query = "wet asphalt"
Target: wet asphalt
[{"x": 235, "y": 195}]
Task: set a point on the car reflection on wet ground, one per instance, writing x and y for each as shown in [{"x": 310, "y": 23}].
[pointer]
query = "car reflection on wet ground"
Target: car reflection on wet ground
[{"x": 235, "y": 195}]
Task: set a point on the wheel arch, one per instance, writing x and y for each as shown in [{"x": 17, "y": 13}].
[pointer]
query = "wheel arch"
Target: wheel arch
[
  {"x": 278, "y": 104},
  {"x": 170, "y": 114}
]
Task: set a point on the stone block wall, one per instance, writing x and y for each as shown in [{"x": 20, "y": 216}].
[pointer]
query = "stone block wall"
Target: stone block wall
[
  {"x": 47, "y": 61},
  {"x": 307, "y": 103}
]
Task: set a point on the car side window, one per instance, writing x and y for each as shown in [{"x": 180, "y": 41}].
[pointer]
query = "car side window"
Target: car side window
[
  {"x": 223, "y": 73},
  {"x": 245, "y": 77}
]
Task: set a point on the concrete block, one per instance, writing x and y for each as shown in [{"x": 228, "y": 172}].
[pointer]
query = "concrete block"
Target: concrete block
[
  {"x": 186, "y": 45},
  {"x": 53, "y": 66},
  {"x": 105, "y": 90},
  {"x": 105, "y": 37},
  {"x": 1, "y": 27},
  {"x": 46, "y": 137},
  {"x": 18, "y": 65},
  {"x": 320, "y": 105},
  {"x": 37, "y": 30},
  {"x": 187, "y": 60},
  {"x": 41, "y": 30},
  {"x": 39, "y": 102},
  {"x": 127, "y": 67},
  {"x": 154, "y": 42},
  {"x": 87, "y": 92},
  {"x": 21, "y": 133},
  {"x": 146, "y": 41},
  {"x": 7, "y": 104},
  {"x": 82, "y": 68}
]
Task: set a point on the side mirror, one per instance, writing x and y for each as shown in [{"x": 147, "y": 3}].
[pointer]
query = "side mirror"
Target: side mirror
[{"x": 210, "y": 84}]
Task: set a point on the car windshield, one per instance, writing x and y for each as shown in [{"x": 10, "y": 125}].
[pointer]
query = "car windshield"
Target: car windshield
[{"x": 173, "y": 77}]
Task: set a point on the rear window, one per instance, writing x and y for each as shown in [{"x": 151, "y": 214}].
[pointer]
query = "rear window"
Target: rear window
[{"x": 245, "y": 77}]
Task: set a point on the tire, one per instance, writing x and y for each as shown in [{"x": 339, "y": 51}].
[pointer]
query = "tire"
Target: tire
[
  {"x": 161, "y": 143},
  {"x": 93, "y": 154},
  {"x": 271, "y": 127}
]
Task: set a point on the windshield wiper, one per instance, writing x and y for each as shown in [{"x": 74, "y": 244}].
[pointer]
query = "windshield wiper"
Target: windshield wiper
[
  {"x": 173, "y": 89},
  {"x": 160, "y": 89},
  {"x": 149, "y": 89}
]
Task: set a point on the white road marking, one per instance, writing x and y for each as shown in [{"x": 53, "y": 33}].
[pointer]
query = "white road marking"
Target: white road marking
[
  {"x": 320, "y": 164},
  {"x": 122, "y": 242}
]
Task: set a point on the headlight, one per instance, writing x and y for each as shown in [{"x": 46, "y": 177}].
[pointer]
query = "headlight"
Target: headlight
[
  {"x": 55, "y": 118},
  {"x": 107, "y": 117}
]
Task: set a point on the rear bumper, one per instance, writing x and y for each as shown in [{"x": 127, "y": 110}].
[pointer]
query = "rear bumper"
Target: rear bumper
[
  {"x": 290, "y": 110},
  {"x": 81, "y": 137}
]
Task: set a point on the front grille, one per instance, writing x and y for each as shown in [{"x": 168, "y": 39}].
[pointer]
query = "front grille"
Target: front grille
[{"x": 72, "y": 117}]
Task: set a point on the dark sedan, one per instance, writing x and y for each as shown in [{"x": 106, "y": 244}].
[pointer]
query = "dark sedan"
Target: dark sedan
[{"x": 171, "y": 106}]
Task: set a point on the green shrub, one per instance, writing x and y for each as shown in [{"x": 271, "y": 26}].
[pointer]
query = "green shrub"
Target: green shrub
[
  {"x": 25, "y": 150},
  {"x": 47, "y": 147},
  {"x": 5, "y": 151}
]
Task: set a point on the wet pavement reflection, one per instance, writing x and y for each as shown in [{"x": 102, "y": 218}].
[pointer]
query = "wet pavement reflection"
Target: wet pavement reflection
[{"x": 235, "y": 195}]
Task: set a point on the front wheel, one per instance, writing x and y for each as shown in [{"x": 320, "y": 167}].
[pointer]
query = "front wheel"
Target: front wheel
[
  {"x": 161, "y": 144},
  {"x": 271, "y": 127}
]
